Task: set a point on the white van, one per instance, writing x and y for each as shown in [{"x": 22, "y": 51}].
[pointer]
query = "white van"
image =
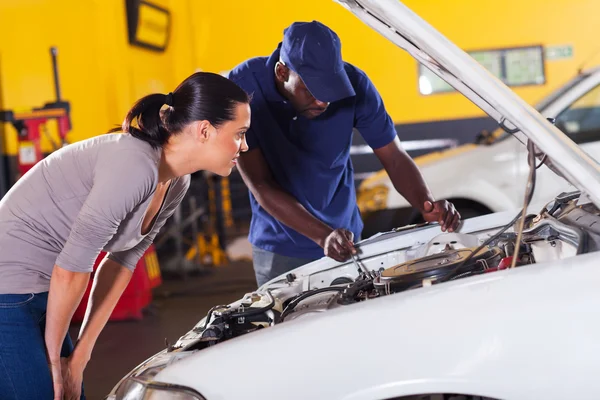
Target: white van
[{"x": 489, "y": 175}]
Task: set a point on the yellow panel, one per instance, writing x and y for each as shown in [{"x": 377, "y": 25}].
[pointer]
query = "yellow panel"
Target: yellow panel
[
  {"x": 229, "y": 32},
  {"x": 102, "y": 75}
]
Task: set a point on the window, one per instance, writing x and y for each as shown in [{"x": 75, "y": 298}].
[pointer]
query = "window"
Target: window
[
  {"x": 518, "y": 66},
  {"x": 581, "y": 120}
]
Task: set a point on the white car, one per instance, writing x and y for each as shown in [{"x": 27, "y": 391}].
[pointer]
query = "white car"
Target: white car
[
  {"x": 489, "y": 175},
  {"x": 504, "y": 309}
]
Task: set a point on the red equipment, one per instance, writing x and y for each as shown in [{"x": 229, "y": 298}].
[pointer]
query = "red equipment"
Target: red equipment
[
  {"x": 505, "y": 263},
  {"x": 30, "y": 128},
  {"x": 29, "y": 125},
  {"x": 138, "y": 294}
]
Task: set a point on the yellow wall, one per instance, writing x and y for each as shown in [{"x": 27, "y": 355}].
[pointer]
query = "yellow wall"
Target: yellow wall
[
  {"x": 231, "y": 31},
  {"x": 102, "y": 75}
]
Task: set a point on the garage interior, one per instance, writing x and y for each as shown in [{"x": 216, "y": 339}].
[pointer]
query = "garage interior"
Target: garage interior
[{"x": 70, "y": 70}]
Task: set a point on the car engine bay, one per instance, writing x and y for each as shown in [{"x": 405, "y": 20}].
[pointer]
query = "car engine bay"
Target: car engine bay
[{"x": 566, "y": 227}]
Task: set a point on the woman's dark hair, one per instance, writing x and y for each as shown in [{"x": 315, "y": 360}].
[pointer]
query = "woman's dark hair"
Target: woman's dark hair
[{"x": 202, "y": 96}]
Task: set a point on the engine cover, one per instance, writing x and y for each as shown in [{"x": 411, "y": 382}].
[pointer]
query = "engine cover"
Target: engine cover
[{"x": 436, "y": 268}]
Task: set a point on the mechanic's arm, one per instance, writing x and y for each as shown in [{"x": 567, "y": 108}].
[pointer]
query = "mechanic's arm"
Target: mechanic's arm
[
  {"x": 337, "y": 243},
  {"x": 404, "y": 173},
  {"x": 409, "y": 182}
]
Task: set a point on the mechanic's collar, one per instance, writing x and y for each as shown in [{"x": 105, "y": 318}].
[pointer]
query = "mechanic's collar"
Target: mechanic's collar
[{"x": 268, "y": 80}]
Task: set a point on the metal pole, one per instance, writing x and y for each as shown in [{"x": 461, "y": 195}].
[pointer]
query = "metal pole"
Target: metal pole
[{"x": 54, "y": 54}]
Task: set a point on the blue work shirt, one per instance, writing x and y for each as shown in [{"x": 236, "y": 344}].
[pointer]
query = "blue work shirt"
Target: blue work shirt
[{"x": 310, "y": 159}]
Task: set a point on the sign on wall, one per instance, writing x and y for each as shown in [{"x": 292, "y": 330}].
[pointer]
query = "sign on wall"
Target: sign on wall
[
  {"x": 559, "y": 52},
  {"x": 148, "y": 25},
  {"x": 518, "y": 66}
]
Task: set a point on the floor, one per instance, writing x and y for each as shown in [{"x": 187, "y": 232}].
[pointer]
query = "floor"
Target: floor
[{"x": 178, "y": 305}]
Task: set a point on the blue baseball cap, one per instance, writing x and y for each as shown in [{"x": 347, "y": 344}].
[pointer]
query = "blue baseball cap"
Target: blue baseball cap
[{"x": 314, "y": 52}]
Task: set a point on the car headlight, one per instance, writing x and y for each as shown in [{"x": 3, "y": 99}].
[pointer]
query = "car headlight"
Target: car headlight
[
  {"x": 139, "y": 384},
  {"x": 372, "y": 199},
  {"x": 140, "y": 389}
]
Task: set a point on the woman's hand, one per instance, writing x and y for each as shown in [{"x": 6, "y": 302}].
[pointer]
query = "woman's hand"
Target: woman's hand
[
  {"x": 57, "y": 378},
  {"x": 67, "y": 377},
  {"x": 72, "y": 377}
]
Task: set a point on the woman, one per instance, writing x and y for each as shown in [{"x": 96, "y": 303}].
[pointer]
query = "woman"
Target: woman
[{"x": 113, "y": 193}]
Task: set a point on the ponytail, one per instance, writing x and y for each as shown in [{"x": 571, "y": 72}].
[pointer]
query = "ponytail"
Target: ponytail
[
  {"x": 202, "y": 96},
  {"x": 150, "y": 125}
]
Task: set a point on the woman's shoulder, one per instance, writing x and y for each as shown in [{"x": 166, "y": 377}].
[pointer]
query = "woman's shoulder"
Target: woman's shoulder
[
  {"x": 122, "y": 148},
  {"x": 113, "y": 144},
  {"x": 127, "y": 162},
  {"x": 125, "y": 142}
]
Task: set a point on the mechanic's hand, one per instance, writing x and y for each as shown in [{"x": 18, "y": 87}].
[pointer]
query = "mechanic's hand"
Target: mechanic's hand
[
  {"x": 72, "y": 373},
  {"x": 442, "y": 211},
  {"x": 339, "y": 245}
]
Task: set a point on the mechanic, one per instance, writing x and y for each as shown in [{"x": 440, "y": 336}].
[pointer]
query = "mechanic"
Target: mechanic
[
  {"x": 306, "y": 102},
  {"x": 112, "y": 192}
]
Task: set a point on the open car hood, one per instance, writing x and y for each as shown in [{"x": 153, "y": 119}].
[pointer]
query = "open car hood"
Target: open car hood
[{"x": 399, "y": 24}]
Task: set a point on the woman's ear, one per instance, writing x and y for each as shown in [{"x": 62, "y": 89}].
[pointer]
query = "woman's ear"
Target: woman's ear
[{"x": 203, "y": 131}]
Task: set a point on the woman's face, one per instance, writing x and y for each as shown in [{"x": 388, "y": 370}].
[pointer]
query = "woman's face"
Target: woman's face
[{"x": 228, "y": 140}]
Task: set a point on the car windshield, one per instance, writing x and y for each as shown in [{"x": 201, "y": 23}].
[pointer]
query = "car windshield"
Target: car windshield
[{"x": 499, "y": 134}]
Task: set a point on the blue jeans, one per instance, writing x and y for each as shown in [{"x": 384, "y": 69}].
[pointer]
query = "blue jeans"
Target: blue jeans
[
  {"x": 24, "y": 371},
  {"x": 268, "y": 265}
]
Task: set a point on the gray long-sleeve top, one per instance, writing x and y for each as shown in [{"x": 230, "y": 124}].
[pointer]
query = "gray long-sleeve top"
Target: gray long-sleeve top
[{"x": 84, "y": 198}]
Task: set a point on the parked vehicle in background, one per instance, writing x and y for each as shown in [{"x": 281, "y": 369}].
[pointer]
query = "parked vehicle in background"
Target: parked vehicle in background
[{"x": 489, "y": 175}]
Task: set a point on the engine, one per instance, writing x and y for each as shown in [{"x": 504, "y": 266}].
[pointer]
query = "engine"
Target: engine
[
  {"x": 443, "y": 263},
  {"x": 561, "y": 230}
]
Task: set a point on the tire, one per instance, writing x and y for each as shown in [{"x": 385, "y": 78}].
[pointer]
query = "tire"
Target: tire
[{"x": 468, "y": 212}]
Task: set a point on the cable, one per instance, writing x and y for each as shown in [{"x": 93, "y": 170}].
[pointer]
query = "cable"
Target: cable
[
  {"x": 542, "y": 161},
  {"x": 528, "y": 196},
  {"x": 490, "y": 240},
  {"x": 303, "y": 296},
  {"x": 208, "y": 315}
]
